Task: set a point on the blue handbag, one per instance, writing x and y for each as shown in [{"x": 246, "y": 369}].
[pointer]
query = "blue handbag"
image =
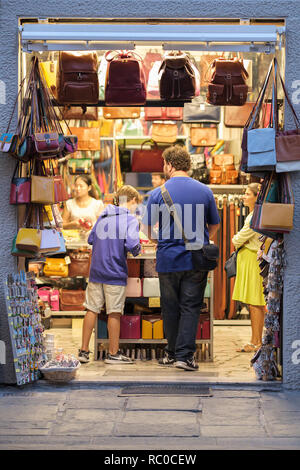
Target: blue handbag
[{"x": 261, "y": 148}]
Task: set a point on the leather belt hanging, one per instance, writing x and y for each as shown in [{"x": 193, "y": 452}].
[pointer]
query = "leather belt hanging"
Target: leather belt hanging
[
  {"x": 223, "y": 259},
  {"x": 218, "y": 272},
  {"x": 232, "y": 231}
]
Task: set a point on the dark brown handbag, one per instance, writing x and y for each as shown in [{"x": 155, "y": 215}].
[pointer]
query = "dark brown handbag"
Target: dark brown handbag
[
  {"x": 89, "y": 113},
  {"x": 227, "y": 85},
  {"x": 80, "y": 263},
  {"x": 72, "y": 300},
  {"x": 177, "y": 77},
  {"x": 203, "y": 136},
  {"x": 237, "y": 116},
  {"x": 77, "y": 78}
]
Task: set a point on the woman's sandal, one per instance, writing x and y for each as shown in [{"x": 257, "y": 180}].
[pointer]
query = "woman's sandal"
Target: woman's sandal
[{"x": 249, "y": 347}]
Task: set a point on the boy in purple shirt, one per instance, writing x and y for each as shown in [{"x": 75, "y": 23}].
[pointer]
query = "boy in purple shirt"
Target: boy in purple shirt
[{"x": 115, "y": 233}]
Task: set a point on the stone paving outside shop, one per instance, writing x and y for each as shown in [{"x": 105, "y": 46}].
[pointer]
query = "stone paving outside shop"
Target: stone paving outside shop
[
  {"x": 228, "y": 364},
  {"x": 91, "y": 417}
]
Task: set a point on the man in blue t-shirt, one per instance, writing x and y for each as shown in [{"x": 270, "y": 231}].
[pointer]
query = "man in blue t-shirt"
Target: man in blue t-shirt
[{"x": 181, "y": 286}]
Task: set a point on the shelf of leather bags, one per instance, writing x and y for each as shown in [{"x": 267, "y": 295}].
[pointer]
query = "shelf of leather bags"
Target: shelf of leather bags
[{"x": 149, "y": 103}]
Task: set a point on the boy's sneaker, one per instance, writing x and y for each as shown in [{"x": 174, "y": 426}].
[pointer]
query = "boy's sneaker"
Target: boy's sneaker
[
  {"x": 83, "y": 356},
  {"x": 118, "y": 359},
  {"x": 166, "y": 361},
  {"x": 189, "y": 364}
]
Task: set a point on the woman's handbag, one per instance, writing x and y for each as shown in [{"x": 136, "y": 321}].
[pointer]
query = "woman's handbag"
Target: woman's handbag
[
  {"x": 164, "y": 133},
  {"x": 88, "y": 137},
  {"x": 50, "y": 241},
  {"x": 163, "y": 114},
  {"x": 145, "y": 160},
  {"x": 279, "y": 216},
  {"x": 199, "y": 111},
  {"x": 42, "y": 189},
  {"x": 80, "y": 263},
  {"x": 72, "y": 300},
  {"x": 20, "y": 188},
  {"x": 121, "y": 113},
  {"x": 56, "y": 267},
  {"x": 60, "y": 193},
  {"x": 79, "y": 166},
  {"x": 230, "y": 265},
  {"x": 85, "y": 113},
  {"x": 203, "y": 136},
  {"x": 236, "y": 116},
  {"x": 130, "y": 327}
]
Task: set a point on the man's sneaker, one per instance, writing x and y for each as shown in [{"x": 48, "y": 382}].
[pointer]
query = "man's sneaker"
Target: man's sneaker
[
  {"x": 83, "y": 356},
  {"x": 189, "y": 364},
  {"x": 166, "y": 361},
  {"x": 118, "y": 359}
]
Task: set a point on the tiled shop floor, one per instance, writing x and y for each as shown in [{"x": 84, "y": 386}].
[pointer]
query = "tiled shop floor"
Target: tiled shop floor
[{"x": 227, "y": 363}]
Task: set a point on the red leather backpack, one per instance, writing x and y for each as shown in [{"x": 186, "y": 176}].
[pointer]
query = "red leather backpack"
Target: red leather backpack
[{"x": 125, "y": 79}]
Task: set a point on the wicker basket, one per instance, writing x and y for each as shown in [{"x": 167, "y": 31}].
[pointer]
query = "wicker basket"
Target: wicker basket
[{"x": 60, "y": 374}]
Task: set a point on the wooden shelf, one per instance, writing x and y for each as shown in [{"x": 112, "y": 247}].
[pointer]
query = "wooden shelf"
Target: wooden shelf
[{"x": 149, "y": 103}]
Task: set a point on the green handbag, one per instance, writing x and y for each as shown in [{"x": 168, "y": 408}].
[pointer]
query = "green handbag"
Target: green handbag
[
  {"x": 23, "y": 253},
  {"x": 79, "y": 166}
]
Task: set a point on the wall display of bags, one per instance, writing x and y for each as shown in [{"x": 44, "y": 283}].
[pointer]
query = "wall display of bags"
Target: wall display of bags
[
  {"x": 177, "y": 78},
  {"x": 130, "y": 327},
  {"x": 125, "y": 79},
  {"x": 72, "y": 300},
  {"x": 77, "y": 78},
  {"x": 227, "y": 84}
]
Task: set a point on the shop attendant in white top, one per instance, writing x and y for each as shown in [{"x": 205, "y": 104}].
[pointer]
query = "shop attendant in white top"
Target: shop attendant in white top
[{"x": 83, "y": 207}]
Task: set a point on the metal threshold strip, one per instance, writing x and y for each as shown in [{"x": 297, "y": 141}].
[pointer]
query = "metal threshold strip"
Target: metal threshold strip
[{"x": 52, "y": 36}]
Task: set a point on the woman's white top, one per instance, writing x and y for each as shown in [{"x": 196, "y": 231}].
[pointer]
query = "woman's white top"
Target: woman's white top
[{"x": 90, "y": 212}]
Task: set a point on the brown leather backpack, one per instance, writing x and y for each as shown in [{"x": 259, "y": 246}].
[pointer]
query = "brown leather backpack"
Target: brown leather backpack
[
  {"x": 77, "y": 78},
  {"x": 227, "y": 85},
  {"x": 176, "y": 77}
]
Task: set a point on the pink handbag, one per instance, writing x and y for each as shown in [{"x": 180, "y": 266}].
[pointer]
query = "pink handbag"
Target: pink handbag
[
  {"x": 134, "y": 287},
  {"x": 54, "y": 299},
  {"x": 20, "y": 189},
  {"x": 130, "y": 327},
  {"x": 44, "y": 294}
]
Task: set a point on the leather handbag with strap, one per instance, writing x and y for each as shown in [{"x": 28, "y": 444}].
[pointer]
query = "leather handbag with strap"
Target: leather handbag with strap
[
  {"x": 121, "y": 112},
  {"x": 164, "y": 132},
  {"x": 146, "y": 160},
  {"x": 203, "y": 136},
  {"x": 199, "y": 111},
  {"x": 20, "y": 188},
  {"x": 85, "y": 113},
  {"x": 88, "y": 137},
  {"x": 236, "y": 116},
  {"x": 56, "y": 267},
  {"x": 72, "y": 300},
  {"x": 205, "y": 259},
  {"x": 80, "y": 263},
  {"x": 77, "y": 78},
  {"x": 227, "y": 85},
  {"x": 163, "y": 114},
  {"x": 176, "y": 77}
]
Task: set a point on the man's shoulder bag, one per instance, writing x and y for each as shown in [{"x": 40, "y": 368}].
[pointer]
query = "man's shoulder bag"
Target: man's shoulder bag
[{"x": 205, "y": 259}]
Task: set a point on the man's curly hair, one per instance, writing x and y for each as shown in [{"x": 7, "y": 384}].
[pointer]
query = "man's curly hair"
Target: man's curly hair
[{"x": 178, "y": 157}]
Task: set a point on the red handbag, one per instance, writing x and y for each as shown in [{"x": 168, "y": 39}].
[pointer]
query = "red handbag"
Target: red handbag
[
  {"x": 147, "y": 161},
  {"x": 20, "y": 188},
  {"x": 125, "y": 80},
  {"x": 163, "y": 114},
  {"x": 134, "y": 267},
  {"x": 130, "y": 327},
  {"x": 60, "y": 193},
  {"x": 46, "y": 143}
]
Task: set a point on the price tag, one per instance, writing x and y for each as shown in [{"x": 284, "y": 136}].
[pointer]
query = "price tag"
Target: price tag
[
  {"x": 202, "y": 107},
  {"x": 154, "y": 301},
  {"x": 67, "y": 260}
]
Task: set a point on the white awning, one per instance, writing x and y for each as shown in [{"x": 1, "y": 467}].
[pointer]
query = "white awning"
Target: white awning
[{"x": 85, "y": 36}]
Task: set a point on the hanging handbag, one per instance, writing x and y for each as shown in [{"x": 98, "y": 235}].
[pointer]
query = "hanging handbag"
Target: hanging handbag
[
  {"x": 230, "y": 265},
  {"x": 85, "y": 113},
  {"x": 130, "y": 327},
  {"x": 278, "y": 216},
  {"x": 176, "y": 77},
  {"x": 42, "y": 189},
  {"x": 20, "y": 188},
  {"x": 237, "y": 116},
  {"x": 46, "y": 143},
  {"x": 49, "y": 241},
  {"x": 199, "y": 111},
  {"x": 125, "y": 79},
  {"x": 77, "y": 78},
  {"x": 205, "y": 259},
  {"x": 163, "y": 114},
  {"x": 72, "y": 300},
  {"x": 164, "y": 133},
  {"x": 203, "y": 136},
  {"x": 121, "y": 113},
  {"x": 60, "y": 192},
  {"x": 79, "y": 166},
  {"x": 88, "y": 137},
  {"x": 20, "y": 252},
  {"x": 227, "y": 85},
  {"x": 145, "y": 160},
  {"x": 29, "y": 239}
]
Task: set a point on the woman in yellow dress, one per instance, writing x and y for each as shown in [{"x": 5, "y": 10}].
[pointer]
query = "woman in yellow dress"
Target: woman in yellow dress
[{"x": 248, "y": 286}]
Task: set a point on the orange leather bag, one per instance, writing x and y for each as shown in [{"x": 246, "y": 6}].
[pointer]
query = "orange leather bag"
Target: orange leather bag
[
  {"x": 203, "y": 136},
  {"x": 88, "y": 137},
  {"x": 121, "y": 113}
]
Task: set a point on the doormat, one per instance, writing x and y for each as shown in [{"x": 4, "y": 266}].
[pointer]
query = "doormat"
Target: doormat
[
  {"x": 154, "y": 373},
  {"x": 166, "y": 390}
]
